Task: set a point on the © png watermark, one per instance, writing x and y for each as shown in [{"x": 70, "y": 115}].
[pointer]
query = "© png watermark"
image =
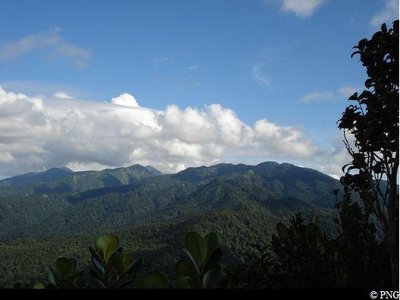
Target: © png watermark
[{"x": 384, "y": 295}]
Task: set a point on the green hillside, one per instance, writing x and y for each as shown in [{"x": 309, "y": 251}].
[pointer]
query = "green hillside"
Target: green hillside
[{"x": 50, "y": 216}]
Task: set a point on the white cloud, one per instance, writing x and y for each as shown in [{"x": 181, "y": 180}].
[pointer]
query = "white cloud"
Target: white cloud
[
  {"x": 347, "y": 91},
  {"x": 259, "y": 70},
  {"x": 6, "y": 157},
  {"x": 46, "y": 88},
  {"x": 39, "y": 133},
  {"x": 62, "y": 95},
  {"x": 125, "y": 100},
  {"x": 343, "y": 92},
  {"x": 331, "y": 162},
  {"x": 78, "y": 166},
  {"x": 387, "y": 14},
  {"x": 301, "y": 8},
  {"x": 259, "y": 75},
  {"x": 50, "y": 40},
  {"x": 317, "y": 96}
]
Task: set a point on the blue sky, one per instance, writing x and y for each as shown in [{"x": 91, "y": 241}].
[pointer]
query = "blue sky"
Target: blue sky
[{"x": 286, "y": 61}]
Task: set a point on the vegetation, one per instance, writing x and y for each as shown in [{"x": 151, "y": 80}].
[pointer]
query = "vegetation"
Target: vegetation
[
  {"x": 269, "y": 188},
  {"x": 250, "y": 241},
  {"x": 240, "y": 203},
  {"x": 302, "y": 255},
  {"x": 373, "y": 122}
]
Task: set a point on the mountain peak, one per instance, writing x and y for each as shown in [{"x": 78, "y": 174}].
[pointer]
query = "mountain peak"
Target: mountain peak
[
  {"x": 58, "y": 170},
  {"x": 153, "y": 170},
  {"x": 66, "y": 169},
  {"x": 268, "y": 164}
]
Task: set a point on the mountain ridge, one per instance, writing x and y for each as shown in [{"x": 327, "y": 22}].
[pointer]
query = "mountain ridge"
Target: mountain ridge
[
  {"x": 151, "y": 211},
  {"x": 91, "y": 200}
]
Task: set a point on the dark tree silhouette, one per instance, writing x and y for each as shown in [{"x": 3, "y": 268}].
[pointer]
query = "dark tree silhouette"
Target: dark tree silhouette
[{"x": 371, "y": 136}]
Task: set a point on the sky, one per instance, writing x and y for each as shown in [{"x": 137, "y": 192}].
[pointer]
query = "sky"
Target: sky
[{"x": 180, "y": 83}]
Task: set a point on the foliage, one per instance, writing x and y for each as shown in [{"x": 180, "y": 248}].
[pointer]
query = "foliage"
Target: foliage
[
  {"x": 200, "y": 266},
  {"x": 362, "y": 261},
  {"x": 111, "y": 268},
  {"x": 373, "y": 122},
  {"x": 64, "y": 274},
  {"x": 269, "y": 188},
  {"x": 240, "y": 203},
  {"x": 301, "y": 255}
]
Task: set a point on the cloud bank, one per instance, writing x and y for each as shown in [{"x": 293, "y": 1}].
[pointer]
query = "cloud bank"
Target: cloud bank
[{"x": 39, "y": 133}]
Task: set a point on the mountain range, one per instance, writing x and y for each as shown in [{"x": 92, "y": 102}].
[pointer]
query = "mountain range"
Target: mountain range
[
  {"x": 151, "y": 211},
  {"x": 60, "y": 201}
]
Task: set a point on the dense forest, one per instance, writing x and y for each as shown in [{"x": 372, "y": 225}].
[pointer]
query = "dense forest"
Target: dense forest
[{"x": 153, "y": 212}]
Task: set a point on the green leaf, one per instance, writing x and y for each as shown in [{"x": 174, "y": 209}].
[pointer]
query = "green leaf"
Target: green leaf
[
  {"x": 154, "y": 280},
  {"x": 53, "y": 277},
  {"x": 184, "y": 268},
  {"x": 116, "y": 260},
  {"x": 354, "y": 53},
  {"x": 213, "y": 260},
  {"x": 187, "y": 257},
  {"x": 98, "y": 265},
  {"x": 211, "y": 278},
  {"x": 94, "y": 254},
  {"x": 361, "y": 44},
  {"x": 126, "y": 260},
  {"x": 135, "y": 266},
  {"x": 282, "y": 231},
  {"x": 66, "y": 267},
  {"x": 212, "y": 242},
  {"x": 106, "y": 245},
  {"x": 197, "y": 246},
  {"x": 183, "y": 282},
  {"x": 354, "y": 96},
  {"x": 39, "y": 286}
]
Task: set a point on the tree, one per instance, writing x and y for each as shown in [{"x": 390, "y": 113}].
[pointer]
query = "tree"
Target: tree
[
  {"x": 360, "y": 262},
  {"x": 301, "y": 255},
  {"x": 371, "y": 136}
]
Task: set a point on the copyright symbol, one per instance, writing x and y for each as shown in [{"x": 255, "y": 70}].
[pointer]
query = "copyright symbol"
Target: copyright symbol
[{"x": 373, "y": 295}]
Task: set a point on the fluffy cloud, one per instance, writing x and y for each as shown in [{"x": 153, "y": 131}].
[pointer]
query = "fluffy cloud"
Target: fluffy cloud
[
  {"x": 125, "y": 100},
  {"x": 50, "y": 40},
  {"x": 387, "y": 14},
  {"x": 331, "y": 162},
  {"x": 301, "y": 8},
  {"x": 39, "y": 133}
]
